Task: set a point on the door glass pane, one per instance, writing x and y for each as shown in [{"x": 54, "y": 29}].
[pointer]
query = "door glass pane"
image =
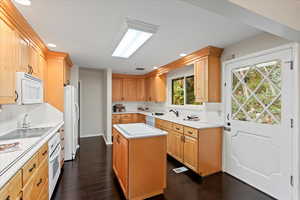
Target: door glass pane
[{"x": 256, "y": 93}]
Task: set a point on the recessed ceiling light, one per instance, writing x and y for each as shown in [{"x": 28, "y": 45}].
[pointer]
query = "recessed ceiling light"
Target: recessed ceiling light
[
  {"x": 155, "y": 67},
  {"x": 51, "y": 45},
  {"x": 136, "y": 35},
  {"x": 182, "y": 54},
  {"x": 24, "y": 2}
]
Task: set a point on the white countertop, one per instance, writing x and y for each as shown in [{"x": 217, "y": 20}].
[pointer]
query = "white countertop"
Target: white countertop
[
  {"x": 138, "y": 130},
  {"x": 193, "y": 124},
  {"x": 12, "y": 162}
]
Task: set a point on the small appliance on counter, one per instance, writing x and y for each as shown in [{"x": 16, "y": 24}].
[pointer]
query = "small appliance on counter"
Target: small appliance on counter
[
  {"x": 119, "y": 108},
  {"x": 143, "y": 108}
]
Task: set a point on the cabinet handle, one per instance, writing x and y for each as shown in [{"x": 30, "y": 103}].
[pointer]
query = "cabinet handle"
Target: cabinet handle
[
  {"x": 190, "y": 132},
  {"x": 177, "y": 128},
  {"x": 44, "y": 152},
  {"x": 39, "y": 183},
  {"x": 7, "y": 198},
  {"x": 32, "y": 168},
  {"x": 17, "y": 96}
]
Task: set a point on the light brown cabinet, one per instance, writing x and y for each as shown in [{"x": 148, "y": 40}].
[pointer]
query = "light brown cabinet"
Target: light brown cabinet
[
  {"x": 138, "y": 88},
  {"x": 31, "y": 182},
  {"x": 120, "y": 146},
  {"x": 58, "y": 66},
  {"x": 190, "y": 152},
  {"x": 129, "y": 90},
  {"x": 117, "y": 89},
  {"x": 207, "y": 76},
  {"x": 128, "y": 118},
  {"x": 141, "y": 89},
  {"x": 156, "y": 87},
  {"x": 200, "y": 150},
  {"x": 7, "y": 64},
  {"x": 141, "y": 174}
]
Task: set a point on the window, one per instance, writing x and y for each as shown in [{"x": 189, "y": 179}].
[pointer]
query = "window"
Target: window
[{"x": 183, "y": 91}]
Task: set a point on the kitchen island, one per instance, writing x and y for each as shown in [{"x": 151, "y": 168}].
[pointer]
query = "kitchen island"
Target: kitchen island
[{"x": 139, "y": 159}]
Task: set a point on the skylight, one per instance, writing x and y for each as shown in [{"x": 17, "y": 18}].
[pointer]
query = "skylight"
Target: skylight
[{"x": 137, "y": 33}]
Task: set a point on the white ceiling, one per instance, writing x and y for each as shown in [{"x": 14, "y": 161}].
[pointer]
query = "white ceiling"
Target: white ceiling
[{"x": 90, "y": 30}]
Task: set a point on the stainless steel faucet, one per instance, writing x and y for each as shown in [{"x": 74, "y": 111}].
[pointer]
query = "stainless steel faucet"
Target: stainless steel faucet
[
  {"x": 175, "y": 112},
  {"x": 26, "y": 123}
]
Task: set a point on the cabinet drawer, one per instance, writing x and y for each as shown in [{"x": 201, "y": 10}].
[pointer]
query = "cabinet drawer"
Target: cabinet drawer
[
  {"x": 126, "y": 116},
  {"x": 29, "y": 168},
  {"x": 115, "y": 121},
  {"x": 43, "y": 153},
  {"x": 13, "y": 188},
  {"x": 178, "y": 128},
  {"x": 126, "y": 121},
  {"x": 191, "y": 132},
  {"x": 168, "y": 125},
  {"x": 159, "y": 122},
  {"x": 35, "y": 185},
  {"x": 116, "y": 117}
]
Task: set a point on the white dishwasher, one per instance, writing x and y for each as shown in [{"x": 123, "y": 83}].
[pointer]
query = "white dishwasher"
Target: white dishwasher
[
  {"x": 150, "y": 120},
  {"x": 54, "y": 162}
]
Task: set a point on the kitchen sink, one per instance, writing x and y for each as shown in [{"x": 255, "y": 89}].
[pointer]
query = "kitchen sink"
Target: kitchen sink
[{"x": 25, "y": 133}]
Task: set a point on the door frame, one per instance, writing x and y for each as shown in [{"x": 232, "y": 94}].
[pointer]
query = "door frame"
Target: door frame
[{"x": 296, "y": 105}]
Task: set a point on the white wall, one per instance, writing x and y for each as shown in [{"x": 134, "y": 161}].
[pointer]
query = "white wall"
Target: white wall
[
  {"x": 254, "y": 44},
  {"x": 92, "y": 102}
]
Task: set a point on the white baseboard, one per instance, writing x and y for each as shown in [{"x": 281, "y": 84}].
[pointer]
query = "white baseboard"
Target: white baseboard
[
  {"x": 105, "y": 140},
  {"x": 91, "y": 135}
]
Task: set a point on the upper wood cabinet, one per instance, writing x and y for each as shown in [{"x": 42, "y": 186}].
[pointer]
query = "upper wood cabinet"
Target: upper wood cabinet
[
  {"x": 129, "y": 90},
  {"x": 117, "y": 89},
  {"x": 7, "y": 64},
  {"x": 141, "y": 89},
  {"x": 207, "y": 73},
  {"x": 58, "y": 65},
  {"x": 156, "y": 88}
]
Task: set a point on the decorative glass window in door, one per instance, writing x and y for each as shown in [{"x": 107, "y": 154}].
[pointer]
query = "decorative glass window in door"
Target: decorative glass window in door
[{"x": 256, "y": 93}]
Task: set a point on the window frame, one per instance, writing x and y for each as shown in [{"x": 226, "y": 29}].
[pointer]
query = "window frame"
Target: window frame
[{"x": 170, "y": 93}]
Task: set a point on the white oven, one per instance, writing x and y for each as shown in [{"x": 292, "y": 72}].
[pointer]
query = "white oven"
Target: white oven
[
  {"x": 54, "y": 162},
  {"x": 29, "y": 89}
]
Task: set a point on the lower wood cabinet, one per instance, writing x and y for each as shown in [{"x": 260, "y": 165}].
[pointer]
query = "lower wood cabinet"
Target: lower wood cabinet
[
  {"x": 190, "y": 152},
  {"x": 128, "y": 118},
  {"x": 200, "y": 150},
  {"x": 140, "y": 165},
  {"x": 30, "y": 182}
]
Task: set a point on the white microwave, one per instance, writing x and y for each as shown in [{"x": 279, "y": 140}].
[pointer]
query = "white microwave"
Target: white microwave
[{"x": 29, "y": 89}]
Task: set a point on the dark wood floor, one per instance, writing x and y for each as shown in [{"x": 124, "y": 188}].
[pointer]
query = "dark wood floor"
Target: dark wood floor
[{"x": 90, "y": 177}]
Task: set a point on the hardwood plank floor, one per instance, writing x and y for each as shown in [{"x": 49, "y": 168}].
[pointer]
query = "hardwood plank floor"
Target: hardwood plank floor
[{"x": 90, "y": 177}]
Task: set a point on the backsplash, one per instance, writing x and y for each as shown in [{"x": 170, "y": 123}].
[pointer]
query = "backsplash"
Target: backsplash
[{"x": 11, "y": 115}]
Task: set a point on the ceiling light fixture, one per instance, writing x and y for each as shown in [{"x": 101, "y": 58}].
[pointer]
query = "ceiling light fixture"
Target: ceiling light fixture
[
  {"x": 24, "y": 2},
  {"x": 155, "y": 67},
  {"x": 137, "y": 33},
  {"x": 51, "y": 45},
  {"x": 182, "y": 54}
]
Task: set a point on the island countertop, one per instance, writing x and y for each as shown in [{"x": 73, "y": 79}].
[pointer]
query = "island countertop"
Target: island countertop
[{"x": 138, "y": 130}]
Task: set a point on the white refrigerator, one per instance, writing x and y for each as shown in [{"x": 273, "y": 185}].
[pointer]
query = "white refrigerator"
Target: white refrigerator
[{"x": 71, "y": 118}]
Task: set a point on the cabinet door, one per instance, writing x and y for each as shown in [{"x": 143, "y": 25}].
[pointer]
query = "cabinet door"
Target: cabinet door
[
  {"x": 159, "y": 88},
  {"x": 201, "y": 80},
  {"x": 190, "y": 149},
  {"x": 115, "y": 143},
  {"x": 141, "y": 90},
  {"x": 129, "y": 90},
  {"x": 176, "y": 145},
  {"x": 122, "y": 162},
  {"x": 7, "y": 68},
  {"x": 34, "y": 61},
  {"x": 117, "y": 90},
  {"x": 150, "y": 89},
  {"x": 23, "y": 55}
]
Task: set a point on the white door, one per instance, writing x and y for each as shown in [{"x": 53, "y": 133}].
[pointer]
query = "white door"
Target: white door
[{"x": 259, "y": 103}]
